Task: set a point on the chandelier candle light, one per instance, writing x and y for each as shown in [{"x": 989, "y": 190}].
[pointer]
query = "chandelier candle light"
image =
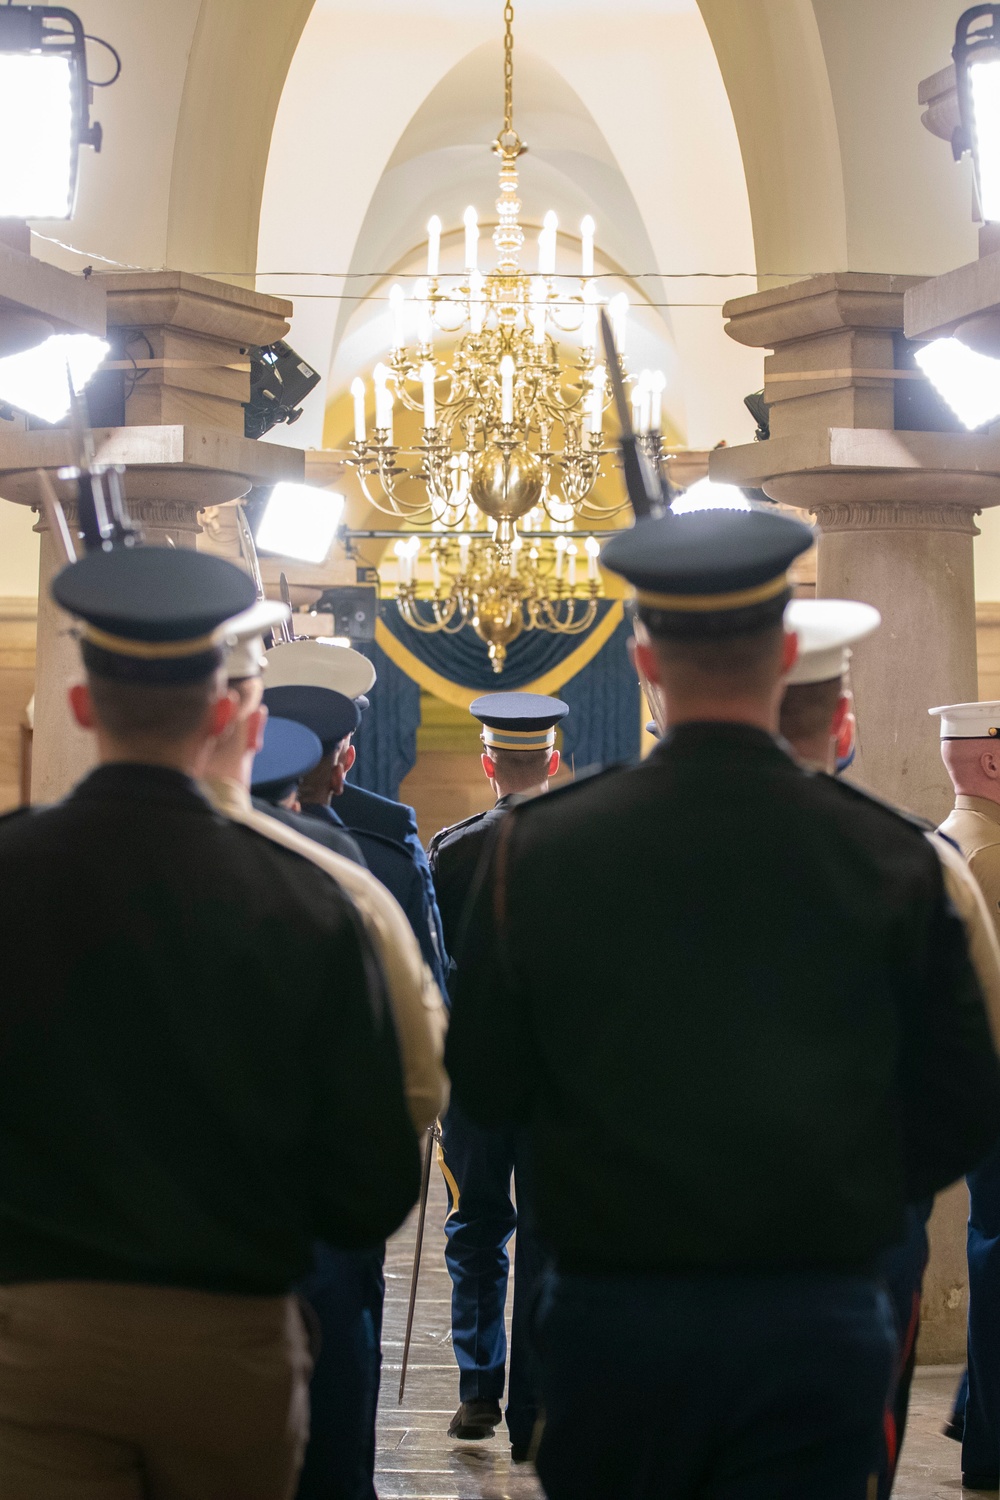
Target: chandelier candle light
[{"x": 490, "y": 456}]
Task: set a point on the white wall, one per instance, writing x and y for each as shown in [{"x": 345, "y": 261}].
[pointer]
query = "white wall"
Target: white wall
[{"x": 18, "y": 552}]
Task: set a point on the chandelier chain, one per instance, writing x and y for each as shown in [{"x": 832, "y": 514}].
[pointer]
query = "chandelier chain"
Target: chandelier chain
[{"x": 508, "y": 67}]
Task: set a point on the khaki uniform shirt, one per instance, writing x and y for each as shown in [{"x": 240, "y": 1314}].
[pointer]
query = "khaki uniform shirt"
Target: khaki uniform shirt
[
  {"x": 978, "y": 921},
  {"x": 417, "y": 1008},
  {"x": 974, "y": 826}
]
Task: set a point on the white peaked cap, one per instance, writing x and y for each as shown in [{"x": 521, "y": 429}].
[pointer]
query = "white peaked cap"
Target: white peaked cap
[
  {"x": 319, "y": 664},
  {"x": 827, "y": 629},
  {"x": 244, "y": 636},
  {"x": 968, "y": 721}
]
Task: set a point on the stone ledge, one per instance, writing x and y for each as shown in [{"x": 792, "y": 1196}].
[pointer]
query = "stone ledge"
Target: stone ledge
[
  {"x": 70, "y": 303},
  {"x": 193, "y": 466},
  {"x": 866, "y": 464}
]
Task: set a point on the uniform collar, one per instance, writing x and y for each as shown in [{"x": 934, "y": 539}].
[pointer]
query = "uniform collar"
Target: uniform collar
[
  {"x": 128, "y": 780},
  {"x": 703, "y": 736},
  {"x": 509, "y": 799},
  {"x": 323, "y": 810},
  {"x": 229, "y": 796},
  {"x": 982, "y": 805}
]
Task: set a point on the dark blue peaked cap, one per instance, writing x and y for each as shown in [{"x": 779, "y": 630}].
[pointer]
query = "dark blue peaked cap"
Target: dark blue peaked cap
[
  {"x": 153, "y": 614},
  {"x": 709, "y": 572},
  {"x": 519, "y": 721},
  {"x": 331, "y": 716},
  {"x": 288, "y": 752}
]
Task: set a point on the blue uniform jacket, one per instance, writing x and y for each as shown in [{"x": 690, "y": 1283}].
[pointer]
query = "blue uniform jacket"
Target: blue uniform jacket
[
  {"x": 391, "y": 863},
  {"x": 364, "y": 811}
]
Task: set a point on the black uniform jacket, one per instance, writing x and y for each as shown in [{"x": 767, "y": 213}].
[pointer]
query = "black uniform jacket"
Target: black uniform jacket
[
  {"x": 454, "y": 855},
  {"x": 198, "y": 1069},
  {"x": 732, "y": 1000}
]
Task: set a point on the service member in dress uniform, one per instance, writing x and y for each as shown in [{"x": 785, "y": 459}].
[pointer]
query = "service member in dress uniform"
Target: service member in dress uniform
[
  {"x": 519, "y": 756},
  {"x": 165, "y": 1075},
  {"x": 731, "y": 1094},
  {"x": 333, "y": 717},
  {"x": 346, "y": 671},
  {"x": 970, "y": 749},
  {"x": 346, "y": 1288},
  {"x": 818, "y": 721}
]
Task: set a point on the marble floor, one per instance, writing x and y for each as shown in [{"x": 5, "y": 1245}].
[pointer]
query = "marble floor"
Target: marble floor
[{"x": 418, "y": 1461}]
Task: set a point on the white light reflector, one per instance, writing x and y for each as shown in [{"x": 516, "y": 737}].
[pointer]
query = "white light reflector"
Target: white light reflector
[
  {"x": 37, "y": 380},
  {"x": 300, "y": 521},
  {"x": 984, "y": 86},
  {"x": 969, "y": 382},
  {"x": 37, "y": 130},
  {"x": 704, "y": 494}
]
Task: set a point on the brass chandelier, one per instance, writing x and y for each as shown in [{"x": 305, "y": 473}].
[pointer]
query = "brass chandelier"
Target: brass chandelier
[{"x": 506, "y": 440}]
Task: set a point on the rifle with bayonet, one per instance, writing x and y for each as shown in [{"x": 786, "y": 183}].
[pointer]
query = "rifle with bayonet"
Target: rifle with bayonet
[{"x": 647, "y": 491}]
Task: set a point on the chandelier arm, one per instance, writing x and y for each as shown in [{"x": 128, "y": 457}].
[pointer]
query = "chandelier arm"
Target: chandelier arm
[
  {"x": 571, "y": 625},
  {"x": 406, "y": 603}
]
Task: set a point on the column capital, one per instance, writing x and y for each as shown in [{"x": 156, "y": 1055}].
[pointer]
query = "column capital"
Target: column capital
[
  {"x": 890, "y": 515},
  {"x": 180, "y": 348},
  {"x": 818, "y": 305}
]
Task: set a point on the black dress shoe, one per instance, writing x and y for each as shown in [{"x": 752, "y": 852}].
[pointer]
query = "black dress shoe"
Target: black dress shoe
[
  {"x": 475, "y": 1420},
  {"x": 981, "y": 1482}
]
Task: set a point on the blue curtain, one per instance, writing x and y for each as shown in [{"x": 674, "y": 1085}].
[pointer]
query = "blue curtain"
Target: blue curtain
[
  {"x": 603, "y": 722},
  {"x": 463, "y": 658},
  {"x": 602, "y": 726},
  {"x": 386, "y": 741}
]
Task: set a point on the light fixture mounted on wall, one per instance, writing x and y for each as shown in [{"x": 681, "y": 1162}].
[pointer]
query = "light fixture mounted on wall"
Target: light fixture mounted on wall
[
  {"x": 977, "y": 74},
  {"x": 45, "y": 95}
]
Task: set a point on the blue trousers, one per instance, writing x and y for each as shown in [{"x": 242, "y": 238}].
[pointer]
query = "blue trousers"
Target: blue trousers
[
  {"x": 345, "y": 1291},
  {"x": 981, "y": 1442},
  {"x": 901, "y": 1270},
  {"x": 478, "y": 1166},
  {"x": 712, "y": 1387}
]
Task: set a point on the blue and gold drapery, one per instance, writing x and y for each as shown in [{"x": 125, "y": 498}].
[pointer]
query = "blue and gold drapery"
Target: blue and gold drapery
[{"x": 591, "y": 672}]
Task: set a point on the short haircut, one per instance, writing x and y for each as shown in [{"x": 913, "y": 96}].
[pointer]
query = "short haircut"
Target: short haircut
[
  {"x": 728, "y": 664},
  {"x": 520, "y": 770},
  {"x": 168, "y": 712},
  {"x": 314, "y": 786},
  {"x": 807, "y": 709}
]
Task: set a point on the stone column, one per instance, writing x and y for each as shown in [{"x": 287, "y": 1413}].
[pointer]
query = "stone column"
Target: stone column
[
  {"x": 916, "y": 562},
  {"x": 895, "y": 508}
]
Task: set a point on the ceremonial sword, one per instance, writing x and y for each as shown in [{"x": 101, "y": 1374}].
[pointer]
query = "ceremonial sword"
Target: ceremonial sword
[{"x": 430, "y": 1143}]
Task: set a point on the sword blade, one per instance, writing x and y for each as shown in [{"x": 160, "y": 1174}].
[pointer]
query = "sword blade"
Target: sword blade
[{"x": 433, "y": 1135}]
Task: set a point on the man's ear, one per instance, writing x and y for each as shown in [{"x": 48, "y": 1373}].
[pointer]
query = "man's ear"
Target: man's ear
[
  {"x": 990, "y": 762},
  {"x": 645, "y": 661},
  {"x": 844, "y": 706},
  {"x": 222, "y": 713},
  {"x": 348, "y": 758},
  {"x": 81, "y": 705},
  {"x": 555, "y": 760},
  {"x": 789, "y": 651},
  {"x": 256, "y": 722},
  {"x": 489, "y": 766}
]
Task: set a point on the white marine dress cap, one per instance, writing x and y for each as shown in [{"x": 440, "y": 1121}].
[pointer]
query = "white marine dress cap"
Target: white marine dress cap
[
  {"x": 320, "y": 664},
  {"x": 968, "y": 721},
  {"x": 827, "y": 629},
  {"x": 244, "y": 637}
]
